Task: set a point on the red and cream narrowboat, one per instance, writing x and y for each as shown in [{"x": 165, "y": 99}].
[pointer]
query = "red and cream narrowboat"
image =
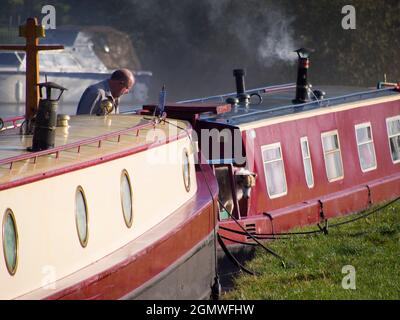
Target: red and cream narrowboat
[{"x": 102, "y": 207}]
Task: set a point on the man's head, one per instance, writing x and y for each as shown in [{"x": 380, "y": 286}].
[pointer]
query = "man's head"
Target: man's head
[{"x": 121, "y": 81}]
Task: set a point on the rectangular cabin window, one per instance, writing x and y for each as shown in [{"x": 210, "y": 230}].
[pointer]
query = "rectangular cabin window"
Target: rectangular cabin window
[
  {"x": 365, "y": 145},
  {"x": 393, "y": 128},
  {"x": 274, "y": 170},
  {"x": 332, "y": 155},
  {"x": 305, "y": 151}
]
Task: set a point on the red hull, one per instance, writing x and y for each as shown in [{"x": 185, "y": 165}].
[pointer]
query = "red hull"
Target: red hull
[{"x": 302, "y": 205}]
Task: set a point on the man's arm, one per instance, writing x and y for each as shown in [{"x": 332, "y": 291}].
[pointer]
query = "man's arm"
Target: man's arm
[{"x": 90, "y": 102}]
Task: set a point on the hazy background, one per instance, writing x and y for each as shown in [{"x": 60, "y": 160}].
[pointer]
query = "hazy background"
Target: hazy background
[{"x": 193, "y": 45}]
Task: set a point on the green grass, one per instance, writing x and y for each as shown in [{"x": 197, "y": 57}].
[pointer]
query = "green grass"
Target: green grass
[{"x": 314, "y": 263}]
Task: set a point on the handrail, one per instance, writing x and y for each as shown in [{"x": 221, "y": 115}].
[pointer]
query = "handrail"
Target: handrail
[
  {"x": 266, "y": 90},
  {"x": 73, "y": 145},
  {"x": 11, "y": 119},
  {"x": 320, "y": 103}
]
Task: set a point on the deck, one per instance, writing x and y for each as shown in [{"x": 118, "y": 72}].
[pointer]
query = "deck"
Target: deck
[{"x": 87, "y": 139}]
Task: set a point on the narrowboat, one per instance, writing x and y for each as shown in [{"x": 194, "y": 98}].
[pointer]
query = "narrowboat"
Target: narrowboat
[
  {"x": 101, "y": 207},
  {"x": 139, "y": 200},
  {"x": 292, "y": 155}
]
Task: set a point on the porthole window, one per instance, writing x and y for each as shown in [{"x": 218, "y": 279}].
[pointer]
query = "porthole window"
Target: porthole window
[
  {"x": 10, "y": 241},
  {"x": 126, "y": 198},
  {"x": 81, "y": 216},
  {"x": 186, "y": 170}
]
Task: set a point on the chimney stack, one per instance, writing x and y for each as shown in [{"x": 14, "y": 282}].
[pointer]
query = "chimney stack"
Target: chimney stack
[
  {"x": 302, "y": 76},
  {"x": 240, "y": 86}
]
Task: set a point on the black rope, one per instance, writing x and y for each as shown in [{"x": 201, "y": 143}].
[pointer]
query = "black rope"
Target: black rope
[
  {"x": 272, "y": 222},
  {"x": 253, "y": 237},
  {"x": 273, "y": 236},
  {"x": 232, "y": 258},
  {"x": 239, "y": 242},
  {"x": 366, "y": 214},
  {"x": 270, "y": 235}
]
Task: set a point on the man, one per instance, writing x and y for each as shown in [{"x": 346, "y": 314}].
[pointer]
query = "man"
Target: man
[{"x": 95, "y": 97}]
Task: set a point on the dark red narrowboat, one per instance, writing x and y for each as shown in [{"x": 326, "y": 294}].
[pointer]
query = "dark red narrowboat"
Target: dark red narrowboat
[{"x": 293, "y": 155}]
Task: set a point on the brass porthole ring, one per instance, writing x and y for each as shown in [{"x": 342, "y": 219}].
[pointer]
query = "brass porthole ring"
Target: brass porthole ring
[
  {"x": 10, "y": 241},
  {"x": 81, "y": 216},
  {"x": 126, "y": 198},
  {"x": 186, "y": 169}
]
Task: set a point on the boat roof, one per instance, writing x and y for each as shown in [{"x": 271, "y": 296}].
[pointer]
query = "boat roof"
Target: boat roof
[
  {"x": 279, "y": 103},
  {"x": 88, "y": 139}
]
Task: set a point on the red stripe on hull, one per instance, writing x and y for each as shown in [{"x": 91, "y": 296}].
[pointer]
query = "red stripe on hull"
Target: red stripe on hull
[
  {"x": 344, "y": 202},
  {"x": 385, "y": 189},
  {"x": 307, "y": 213}
]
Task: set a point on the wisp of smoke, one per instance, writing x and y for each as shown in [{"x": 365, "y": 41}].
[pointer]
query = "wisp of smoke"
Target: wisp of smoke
[
  {"x": 275, "y": 35},
  {"x": 278, "y": 44}
]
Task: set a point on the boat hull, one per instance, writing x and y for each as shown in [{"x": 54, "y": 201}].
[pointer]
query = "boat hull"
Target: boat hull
[
  {"x": 180, "y": 265},
  {"x": 189, "y": 278}
]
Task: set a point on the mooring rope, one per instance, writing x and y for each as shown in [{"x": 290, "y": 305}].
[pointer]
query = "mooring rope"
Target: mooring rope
[{"x": 287, "y": 235}]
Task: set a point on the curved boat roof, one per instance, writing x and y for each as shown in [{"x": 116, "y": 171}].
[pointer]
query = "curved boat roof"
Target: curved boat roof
[{"x": 278, "y": 104}]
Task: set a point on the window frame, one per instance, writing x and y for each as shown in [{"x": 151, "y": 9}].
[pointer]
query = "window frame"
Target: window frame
[
  {"x": 302, "y": 139},
  {"x": 125, "y": 174},
  {"x": 11, "y": 269},
  {"x": 186, "y": 156},
  {"x": 360, "y": 126},
  {"x": 83, "y": 242},
  {"x": 326, "y": 134},
  {"x": 396, "y": 118},
  {"x": 273, "y": 146}
]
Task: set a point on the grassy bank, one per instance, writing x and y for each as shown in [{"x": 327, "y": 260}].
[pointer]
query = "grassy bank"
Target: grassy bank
[{"x": 363, "y": 255}]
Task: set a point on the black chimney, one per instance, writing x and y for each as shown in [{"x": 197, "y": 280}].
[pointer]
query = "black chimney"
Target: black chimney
[
  {"x": 302, "y": 77},
  {"x": 46, "y": 118},
  {"x": 240, "y": 86}
]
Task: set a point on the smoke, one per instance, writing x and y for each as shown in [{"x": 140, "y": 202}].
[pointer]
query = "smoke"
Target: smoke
[
  {"x": 278, "y": 44},
  {"x": 204, "y": 40},
  {"x": 267, "y": 28}
]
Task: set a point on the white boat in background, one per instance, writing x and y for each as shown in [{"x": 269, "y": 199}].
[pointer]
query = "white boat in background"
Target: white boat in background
[{"x": 90, "y": 55}]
